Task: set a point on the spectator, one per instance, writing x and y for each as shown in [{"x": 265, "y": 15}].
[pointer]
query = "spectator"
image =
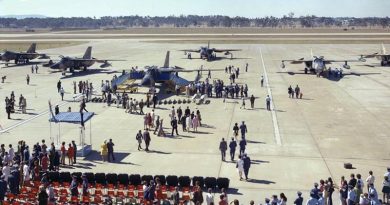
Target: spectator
[
  {"x": 268, "y": 102},
  {"x": 283, "y": 199},
  {"x": 42, "y": 196},
  {"x": 175, "y": 196},
  {"x": 85, "y": 185},
  {"x": 147, "y": 139},
  {"x": 386, "y": 189},
  {"x": 209, "y": 197},
  {"x": 313, "y": 199},
  {"x": 139, "y": 137},
  {"x": 370, "y": 179},
  {"x": 243, "y": 129},
  {"x": 104, "y": 151},
  {"x": 70, "y": 154},
  {"x": 299, "y": 200},
  {"x": 242, "y": 146},
  {"x": 110, "y": 149},
  {"x": 197, "y": 194},
  {"x": 74, "y": 191},
  {"x": 252, "y": 100}
]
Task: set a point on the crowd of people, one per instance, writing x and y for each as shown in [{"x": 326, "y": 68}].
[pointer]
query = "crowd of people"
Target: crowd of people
[{"x": 10, "y": 104}]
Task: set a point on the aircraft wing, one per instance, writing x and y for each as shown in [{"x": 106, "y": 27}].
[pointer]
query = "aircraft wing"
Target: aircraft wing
[
  {"x": 225, "y": 50},
  {"x": 299, "y": 61},
  {"x": 340, "y": 61},
  {"x": 191, "y": 50},
  {"x": 105, "y": 60}
]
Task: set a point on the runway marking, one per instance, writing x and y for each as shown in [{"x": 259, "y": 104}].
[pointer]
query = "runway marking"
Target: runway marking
[
  {"x": 278, "y": 138},
  {"x": 29, "y": 119}
]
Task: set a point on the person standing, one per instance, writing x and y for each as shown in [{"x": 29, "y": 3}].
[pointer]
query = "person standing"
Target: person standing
[
  {"x": 43, "y": 197},
  {"x": 157, "y": 124},
  {"x": 63, "y": 153},
  {"x": 139, "y": 137},
  {"x": 252, "y": 99},
  {"x": 262, "y": 81},
  {"x": 147, "y": 139},
  {"x": 59, "y": 86},
  {"x": 370, "y": 179},
  {"x": 110, "y": 149},
  {"x": 103, "y": 151},
  {"x": 154, "y": 99},
  {"x": 183, "y": 123},
  {"x": 174, "y": 126},
  {"x": 223, "y": 148},
  {"x": 268, "y": 102},
  {"x": 246, "y": 67},
  {"x": 240, "y": 166},
  {"x": 70, "y": 154},
  {"x": 179, "y": 112},
  {"x": 36, "y": 69},
  {"x": 247, "y": 165},
  {"x": 299, "y": 200},
  {"x": 209, "y": 197},
  {"x": 141, "y": 107},
  {"x": 75, "y": 151},
  {"x": 62, "y": 92},
  {"x": 232, "y": 146},
  {"x": 28, "y": 79},
  {"x": 74, "y": 191}
]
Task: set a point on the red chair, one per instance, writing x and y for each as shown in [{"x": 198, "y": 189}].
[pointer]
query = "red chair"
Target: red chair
[
  {"x": 98, "y": 192},
  {"x": 130, "y": 194},
  {"x": 56, "y": 185},
  {"x": 86, "y": 199},
  {"x": 10, "y": 196},
  {"x": 120, "y": 194},
  {"x": 111, "y": 193},
  {"x": 63, "y": 192},
  {"x": 130, "y": 187},
  {"x": 74, "y": 199},
  {"x": 97, "y": 200},
  {"x": 63, "y": 199},
  {"x": 65, "y": 184}
]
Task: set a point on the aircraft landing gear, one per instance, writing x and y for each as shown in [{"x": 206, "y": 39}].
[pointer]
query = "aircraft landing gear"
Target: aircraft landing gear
[
  {"x": 85, "y": 68},
  {"x": 306, "y": 70},
  {"x": 383, "y": 63}
]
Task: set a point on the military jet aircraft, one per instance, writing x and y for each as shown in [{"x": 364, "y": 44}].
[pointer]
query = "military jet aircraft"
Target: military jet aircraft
[
  {"x": 74, "y": 63},
  {"x": 166, "y": 75},
  {"x": 317, "y": 64},
  {"x": 209, "y": 53},
  {"x": 22, "y": 57},
  {"x": 383, "y": 57}
]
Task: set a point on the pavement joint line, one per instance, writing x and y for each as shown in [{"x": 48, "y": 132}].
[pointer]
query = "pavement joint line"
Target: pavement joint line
[
  {"x": 278, "y": 138},
  {"x": 29, "y": 119},
  {"x": 229, "y": 129}
]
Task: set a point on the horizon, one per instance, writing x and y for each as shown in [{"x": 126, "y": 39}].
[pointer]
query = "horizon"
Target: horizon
[{"x": 249, "y": 9}]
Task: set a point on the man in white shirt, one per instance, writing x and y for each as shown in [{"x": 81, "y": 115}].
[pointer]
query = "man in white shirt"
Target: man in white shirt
[
  {"x": 209, "y": 197},
  {"x": 351, "y": 196},
  {"x": 370, "y": 179},
  {"x": 6, "y": 171},
  {"x": 11, "y": 152},
  {"x": 387, "y": 173}
]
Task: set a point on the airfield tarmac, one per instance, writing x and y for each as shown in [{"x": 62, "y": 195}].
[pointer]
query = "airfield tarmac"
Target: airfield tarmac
[{"x": 298, "y": 143}]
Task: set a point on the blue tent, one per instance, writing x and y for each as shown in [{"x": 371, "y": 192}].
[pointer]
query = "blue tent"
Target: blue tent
[{"x": 71, "y": 117}]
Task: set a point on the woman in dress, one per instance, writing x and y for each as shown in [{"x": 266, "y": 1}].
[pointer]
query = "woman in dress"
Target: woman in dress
[
  {"x": 104, "y": 151},
  {"x": 195, "y": 123},
  {"x": 240, "y": 166},
  {"x": 199, "y": 117},
  {"x": 386, "y": 189}
]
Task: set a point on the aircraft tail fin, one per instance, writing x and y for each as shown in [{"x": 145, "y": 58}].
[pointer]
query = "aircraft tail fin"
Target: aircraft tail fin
[
  {"x": 208, "y": 44},
  {"x": 383, "y": 49},
  {"x": 88, "y": 53},
  {"x": 311, "y": 52},
  {"x": 166, "y": 62},
  {"x": 32, "y": 48}
]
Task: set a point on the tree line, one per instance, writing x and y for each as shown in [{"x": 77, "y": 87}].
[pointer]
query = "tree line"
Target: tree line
[{"x": 287, "y": 21}]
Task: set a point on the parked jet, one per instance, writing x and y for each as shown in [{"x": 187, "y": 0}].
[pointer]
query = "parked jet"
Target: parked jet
[
  {"x": 382, "y": 56},
  {"x": 166, "y": 75},
  {"x": 74, "y": 63},
  {"x": 22, "y": 57},
  {"x": 208, "y": 53},
  {"x": 317, "y": 64}
]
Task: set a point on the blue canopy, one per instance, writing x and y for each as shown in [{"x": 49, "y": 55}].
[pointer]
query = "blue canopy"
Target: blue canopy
[{"x": 71, "y": 117}]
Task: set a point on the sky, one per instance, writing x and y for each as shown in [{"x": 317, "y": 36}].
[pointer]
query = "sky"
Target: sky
[{"x": 245, "y": 8}]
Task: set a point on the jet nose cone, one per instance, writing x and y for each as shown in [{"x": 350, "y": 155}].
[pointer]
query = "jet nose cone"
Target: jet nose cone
[{"x": 56, "y": 66}]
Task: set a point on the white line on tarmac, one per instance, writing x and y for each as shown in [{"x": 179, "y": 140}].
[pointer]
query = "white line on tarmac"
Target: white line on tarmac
[
  {"x": 278, "y": 138},
  {"x": 29, "y": 119}
]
